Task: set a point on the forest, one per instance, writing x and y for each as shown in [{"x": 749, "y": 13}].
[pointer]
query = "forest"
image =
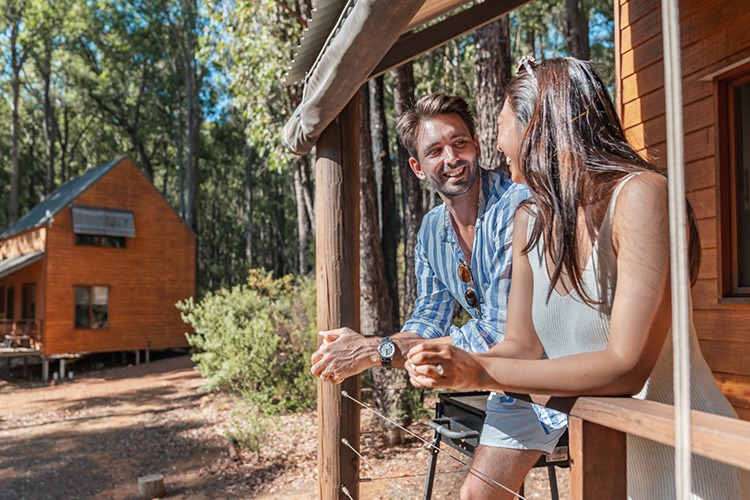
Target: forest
[{"x": 193, "y": 91}]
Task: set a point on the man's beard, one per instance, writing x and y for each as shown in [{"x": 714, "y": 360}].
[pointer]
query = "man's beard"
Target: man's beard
[{"x": 457, "y": 189}]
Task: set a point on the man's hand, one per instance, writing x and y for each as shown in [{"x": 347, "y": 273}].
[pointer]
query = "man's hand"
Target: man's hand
[
  {"x": 436, "y": 365},
  {"x": 344, "y": 353}
]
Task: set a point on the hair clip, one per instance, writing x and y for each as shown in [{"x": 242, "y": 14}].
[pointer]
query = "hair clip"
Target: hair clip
[{"x": 527, "y": 63}]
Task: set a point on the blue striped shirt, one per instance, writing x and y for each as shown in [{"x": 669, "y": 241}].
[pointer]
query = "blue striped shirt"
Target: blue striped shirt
[{"x": 437, "y": 257}]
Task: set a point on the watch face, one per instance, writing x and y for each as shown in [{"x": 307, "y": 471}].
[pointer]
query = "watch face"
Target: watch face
[{"x": 387, "y": 349}]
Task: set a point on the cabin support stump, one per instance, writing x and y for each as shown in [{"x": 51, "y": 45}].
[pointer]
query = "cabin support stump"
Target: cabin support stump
[
  {"x": 62, "y": 368},
  {"x": 597, "y": 461},
  {"x": 45, "y": 369},
  {"x": 337, "y": 274}
]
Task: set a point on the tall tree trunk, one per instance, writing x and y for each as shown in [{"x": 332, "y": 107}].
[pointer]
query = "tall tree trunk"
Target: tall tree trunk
[
  {"x": 49, "y": 125},
  {"x": 16, "y": 62},
  {"x": 375, "y": 304},
  {"x": 186, "y": 38},
  {"x": 577, "y": 30},
  {"x": 411, "y": 191},
  {"x": 303, "y": 222},
  {"x": 249, "y": 184},
  {"x": 388, "y": 209},
  {"x": 491, "y": 72},
  {"x": 179, "y": 138}
]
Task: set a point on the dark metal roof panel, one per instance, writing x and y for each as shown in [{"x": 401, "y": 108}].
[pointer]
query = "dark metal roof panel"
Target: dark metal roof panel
[
  {"x": 59, "y": 199},
  {"x": 13, "y": 264}
]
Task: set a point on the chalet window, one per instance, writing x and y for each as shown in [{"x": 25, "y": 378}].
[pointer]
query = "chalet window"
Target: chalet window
[
  {"x": 28, "y": 301},
  {"x": 102, "y": 227},
  {"x": 734, "y": 187},
  {"x": 2, "y": 299},
  {"x": 101, "y": 241},
  {"x": 92, "y": 307}
]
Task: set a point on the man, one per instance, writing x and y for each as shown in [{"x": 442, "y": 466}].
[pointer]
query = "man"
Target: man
[{"x": 463, "y": 254}]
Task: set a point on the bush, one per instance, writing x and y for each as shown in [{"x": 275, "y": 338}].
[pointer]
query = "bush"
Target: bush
[{"x": 255, "y": 340}]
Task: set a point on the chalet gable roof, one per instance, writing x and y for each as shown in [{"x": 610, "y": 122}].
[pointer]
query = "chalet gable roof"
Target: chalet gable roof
[{"x": 59, "y": 199}]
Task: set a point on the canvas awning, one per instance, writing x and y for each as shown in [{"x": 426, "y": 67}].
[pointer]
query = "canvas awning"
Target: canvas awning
[
  {"x": 13, "y": 264},
  {"x": 369, "y": 38},
  {"x": 103, "y": 222}
]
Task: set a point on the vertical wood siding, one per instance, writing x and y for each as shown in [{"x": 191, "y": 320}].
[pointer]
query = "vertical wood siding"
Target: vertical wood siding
[
  {"x": 714, "y": 36},
  {"x": 145, "y": 280}
]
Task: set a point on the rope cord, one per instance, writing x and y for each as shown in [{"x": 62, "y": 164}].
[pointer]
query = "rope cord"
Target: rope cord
[
  {"x": 680, "y": 282},
  {"x": 377, "y": 471},
  {"x": 436, "y": 448}
]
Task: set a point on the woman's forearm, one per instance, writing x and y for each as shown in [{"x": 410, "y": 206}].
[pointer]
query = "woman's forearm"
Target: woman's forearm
[{"x": 597, "y": 373}]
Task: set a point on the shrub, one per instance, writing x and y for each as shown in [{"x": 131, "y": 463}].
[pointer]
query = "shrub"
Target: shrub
[{"x": 255, "y": 340}]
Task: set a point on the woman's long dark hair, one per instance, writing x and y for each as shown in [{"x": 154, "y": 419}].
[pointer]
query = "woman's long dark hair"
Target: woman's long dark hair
[{"x": 573, "y": 154}]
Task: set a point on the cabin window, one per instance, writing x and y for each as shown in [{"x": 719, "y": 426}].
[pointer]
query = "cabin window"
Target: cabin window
[
  {"x": 2, "y": 299},
  {"x": 92, "y": 307},
  {"x": 99, "y": 240},
  {"x": 734, "y": 188},
  {"x": 28, "y": 301},
  {"x": 102, "y": 227}
]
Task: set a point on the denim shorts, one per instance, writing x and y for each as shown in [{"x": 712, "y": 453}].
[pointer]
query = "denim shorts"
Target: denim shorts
[{"x": 516, "y": 425}]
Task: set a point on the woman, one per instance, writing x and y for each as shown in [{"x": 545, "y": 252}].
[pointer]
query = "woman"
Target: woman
[{"x": 591, "y": 284}]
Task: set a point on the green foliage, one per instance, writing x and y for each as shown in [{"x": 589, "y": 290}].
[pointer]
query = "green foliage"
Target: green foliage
[
  {"x": 254, "y": 340},
  {"x": 249, "y": 427}
]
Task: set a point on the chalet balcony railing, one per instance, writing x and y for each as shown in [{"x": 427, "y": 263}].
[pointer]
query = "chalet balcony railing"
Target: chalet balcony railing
[
  {"x": 598, "y": 427},
  {"x": 20, "y": 333}
]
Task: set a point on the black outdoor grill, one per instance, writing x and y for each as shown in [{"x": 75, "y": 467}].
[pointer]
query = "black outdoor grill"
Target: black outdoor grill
[{"x": 458, "y": 421}]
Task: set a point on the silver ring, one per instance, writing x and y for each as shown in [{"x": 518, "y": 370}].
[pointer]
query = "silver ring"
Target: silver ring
[{"x": 440, "y": 370}]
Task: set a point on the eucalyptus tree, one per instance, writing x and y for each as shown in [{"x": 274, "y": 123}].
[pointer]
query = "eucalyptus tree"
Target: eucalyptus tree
[
  {"x": 257, "y": 41},
  {"x": 376, "y": 306},
  {"x": 491, "y": 72},
  {"x": 17, "y": 39}
]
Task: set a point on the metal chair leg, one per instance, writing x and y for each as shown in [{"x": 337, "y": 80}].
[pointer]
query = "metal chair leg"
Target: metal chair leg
[
  {"x": 434, "y": 447},
  {"x": 553, "y": 482}
]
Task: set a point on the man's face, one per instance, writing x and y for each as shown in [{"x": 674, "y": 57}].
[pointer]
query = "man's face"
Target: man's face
[
  {"x": 447, "y": 155},
  {"x": 508, "y": 141}
]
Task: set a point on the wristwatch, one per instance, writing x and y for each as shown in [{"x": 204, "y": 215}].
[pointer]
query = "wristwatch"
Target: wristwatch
[{"x": 386, "y": 349}]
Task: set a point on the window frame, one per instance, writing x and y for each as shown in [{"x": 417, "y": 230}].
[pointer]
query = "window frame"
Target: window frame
[
  {"x": 90, "y": 307},
  {"x": 727, "y": 192}
]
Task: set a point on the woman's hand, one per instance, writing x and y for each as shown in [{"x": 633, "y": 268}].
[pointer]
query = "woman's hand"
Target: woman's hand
[{"x": 442, "y": 365}]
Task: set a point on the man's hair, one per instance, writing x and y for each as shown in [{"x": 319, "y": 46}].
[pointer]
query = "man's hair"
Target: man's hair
[{"x": 429, "y": 106}]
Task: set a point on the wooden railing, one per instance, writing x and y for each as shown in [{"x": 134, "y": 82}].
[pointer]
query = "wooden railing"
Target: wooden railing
[
  {"x": 24, "y": 333},
  {"x": 599, "y": 425}
]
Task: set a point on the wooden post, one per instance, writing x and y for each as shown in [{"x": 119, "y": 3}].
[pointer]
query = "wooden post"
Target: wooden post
[
  {"x": 597, "y": 461},
  {"x": 337, "y": 271}
]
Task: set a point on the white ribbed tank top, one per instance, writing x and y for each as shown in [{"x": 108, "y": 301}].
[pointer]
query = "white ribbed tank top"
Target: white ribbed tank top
[{"x": 566, "y": 325}]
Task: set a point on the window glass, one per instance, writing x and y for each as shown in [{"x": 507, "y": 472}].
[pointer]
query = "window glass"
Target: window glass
[
  {"x": 82, "y": 307},
  {"x": 92, "y": 307},
  {"x": 99, "y": 307},
  {"x": 742, "y": 173}
]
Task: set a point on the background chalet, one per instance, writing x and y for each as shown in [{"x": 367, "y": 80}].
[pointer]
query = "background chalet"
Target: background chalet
[{"x": 97, "y": 266}]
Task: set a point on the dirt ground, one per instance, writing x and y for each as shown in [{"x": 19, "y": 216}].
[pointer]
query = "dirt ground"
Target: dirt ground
[{"x": 94, "y": 436}]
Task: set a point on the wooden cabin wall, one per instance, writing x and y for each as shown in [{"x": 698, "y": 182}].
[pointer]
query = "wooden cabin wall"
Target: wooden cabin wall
[
  {"x": 145, "y": 280},
  {"x": 714, "y": 36}
]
